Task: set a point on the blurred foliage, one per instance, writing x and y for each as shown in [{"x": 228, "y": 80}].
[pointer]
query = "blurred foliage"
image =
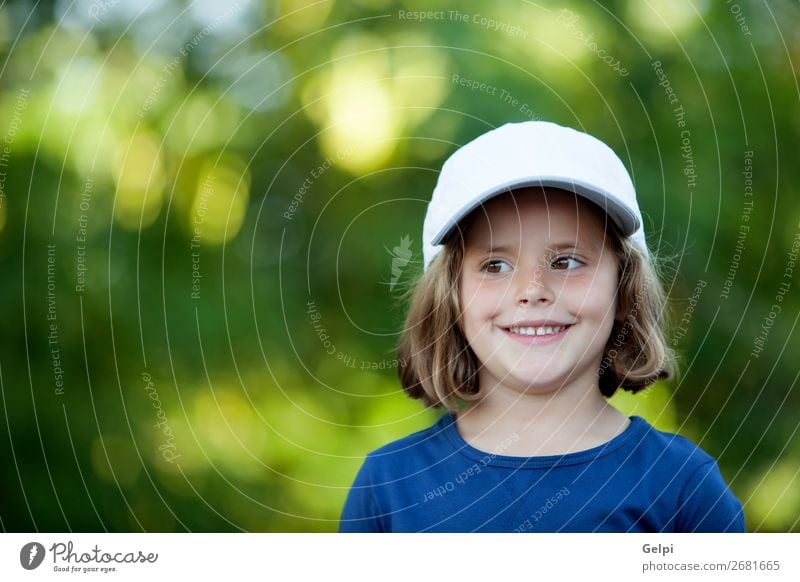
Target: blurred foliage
[{"x": 210, "y": 210}]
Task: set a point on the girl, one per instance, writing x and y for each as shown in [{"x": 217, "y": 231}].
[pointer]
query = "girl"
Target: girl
[{"x": 538, "y": 302}]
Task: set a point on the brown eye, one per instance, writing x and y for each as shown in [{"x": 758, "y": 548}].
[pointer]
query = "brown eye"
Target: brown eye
[
  {"x": 562, "y": 263},
  {"x": 490, "y": 266}
]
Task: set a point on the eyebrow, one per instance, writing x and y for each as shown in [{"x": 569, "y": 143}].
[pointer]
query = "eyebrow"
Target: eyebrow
[
  {"x": 554, "y": 247},
  {"x": 576, "y": 245}
]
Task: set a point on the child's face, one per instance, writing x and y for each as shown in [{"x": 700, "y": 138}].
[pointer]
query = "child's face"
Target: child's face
[{"x": 532, "y": 278}]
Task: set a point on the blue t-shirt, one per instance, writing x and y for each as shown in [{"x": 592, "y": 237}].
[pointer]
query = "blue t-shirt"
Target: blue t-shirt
[{"x": 642, "y": 480}]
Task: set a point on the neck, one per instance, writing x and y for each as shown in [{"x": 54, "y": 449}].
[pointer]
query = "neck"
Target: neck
[{"x": 554, "y": 420}]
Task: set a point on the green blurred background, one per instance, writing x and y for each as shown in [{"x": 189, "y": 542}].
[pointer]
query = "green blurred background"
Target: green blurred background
[{"x": 209, "y": 212}]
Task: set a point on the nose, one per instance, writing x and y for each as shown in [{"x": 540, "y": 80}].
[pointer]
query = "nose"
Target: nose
[{"x": 535, "y": 287}]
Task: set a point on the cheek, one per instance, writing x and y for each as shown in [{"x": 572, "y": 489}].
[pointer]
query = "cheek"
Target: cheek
[
  {"x": 608, "y": 309},
  {"x": 480, "y": 302},
  {"x": 485, "y": 291},
  {"x": 596, "y": 299}
]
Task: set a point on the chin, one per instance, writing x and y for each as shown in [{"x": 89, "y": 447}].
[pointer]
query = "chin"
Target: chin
[{"x": 542, "y": 383}]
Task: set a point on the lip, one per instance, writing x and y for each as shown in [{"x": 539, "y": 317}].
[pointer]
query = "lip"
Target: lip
[
  {"x": 538, "y": 339},
  {"x": 537, "y": 323}
]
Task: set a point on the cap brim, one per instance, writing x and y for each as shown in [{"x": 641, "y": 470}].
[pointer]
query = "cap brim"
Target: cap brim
[{"x": 626, "y": 220}]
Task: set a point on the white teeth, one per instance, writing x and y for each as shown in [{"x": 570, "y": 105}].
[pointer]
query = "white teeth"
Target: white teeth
[{"x": 545, "y": 330}]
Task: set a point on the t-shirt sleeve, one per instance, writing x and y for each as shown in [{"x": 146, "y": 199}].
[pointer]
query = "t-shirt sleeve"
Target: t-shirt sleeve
[
  {"x": 706, "y": 504},
  {"x": 361, "y": 513}
]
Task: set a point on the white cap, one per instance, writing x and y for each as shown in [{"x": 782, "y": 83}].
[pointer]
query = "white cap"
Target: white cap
[{"x": 530, "y": 153}]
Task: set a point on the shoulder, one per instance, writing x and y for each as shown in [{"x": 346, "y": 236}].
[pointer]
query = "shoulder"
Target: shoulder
[
  {"x": 704, "y": 501},
  {"x": 389, "y": 482},
  {"x": 432, "y": 436},
  {"x": 418, "y": 448},
  {"x": 668, "y": 448}
]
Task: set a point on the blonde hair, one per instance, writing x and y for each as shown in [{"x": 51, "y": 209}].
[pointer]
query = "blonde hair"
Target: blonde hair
[{"x": 440, "y": 368}]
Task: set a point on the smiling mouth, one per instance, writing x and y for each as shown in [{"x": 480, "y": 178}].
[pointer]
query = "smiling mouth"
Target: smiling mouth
[{"x": 542, "y": 331}]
